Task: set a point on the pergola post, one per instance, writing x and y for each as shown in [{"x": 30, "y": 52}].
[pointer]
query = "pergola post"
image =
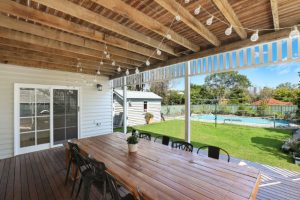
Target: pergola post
[
  {"x": 125, "y": 110},
  {"x": 187, "y": 102}
]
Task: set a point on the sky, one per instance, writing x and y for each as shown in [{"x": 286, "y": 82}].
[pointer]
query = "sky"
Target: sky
[{"x": 270, "y": 76}]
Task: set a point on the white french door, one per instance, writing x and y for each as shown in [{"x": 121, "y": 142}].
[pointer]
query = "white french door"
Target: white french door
[{"x": 45, "y": 116}]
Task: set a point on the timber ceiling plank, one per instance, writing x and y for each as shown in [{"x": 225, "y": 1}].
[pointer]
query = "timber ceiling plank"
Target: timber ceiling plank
[
  {"x": 25, "y": 12},
  {"x": 139, "y": 17},
  {"x": 186, "y": 17},
  {"x": 82, "y": 13},
  {"x": 231, "y": 17},
  {"x": 274, "y": 8}
]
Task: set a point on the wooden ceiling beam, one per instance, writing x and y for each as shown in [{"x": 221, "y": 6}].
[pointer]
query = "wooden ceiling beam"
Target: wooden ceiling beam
[
  {"x": 42, "y": 65},
  {"x": 86, "y": 60},
  {"x": 48, "y": 58},
  {"x": 31, "y": 39},
  {"x": 120, "y": 7},
  {"x": 16, "y": 9},
  {"x": 10, "y": 23},
  {"x": 231, "y": 17},
  {"x": 82, "y": 13},
  {"x": 274, "y": 8},
  {"x": 186, "y": 17}
]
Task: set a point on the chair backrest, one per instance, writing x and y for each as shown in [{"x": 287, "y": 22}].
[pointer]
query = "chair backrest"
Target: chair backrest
[
  {"x": 182, "y": 145},
  {"x": 146, "y": 136},
  {"x": 97, "y": 167},
  {"x": 81, "y": 162},
  {"x": 113, "y": 186},
  {"x": 165, "y": 140},
  {"x": 72, "y": 148},
  {"x": 140, "y": 193},
  {"x": 214, "y": 152}
]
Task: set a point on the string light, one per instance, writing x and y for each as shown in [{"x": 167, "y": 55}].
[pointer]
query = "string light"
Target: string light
[
  {"x": 147, "y": 62},
  {"x": 178, "y": 18},
  {"x": 127, "y": 72},
  {"x": 98, "y": 72},
  {"x": 209, "y": 21},
  {"x": 254, "y": 37},
  {"x": 228, "y": 31},
  {"x": 168, "y": 36},
  {"x": 105, "y": 52},
  {"x": 108, "y": 56},
  {"x": 158, "y": 52},
  {"x": 113, "y": 63},
  {"x": 119, "y": 69},
  {"x": 197, "y": 10},
  {"x": 137, "y": 70},
  {"x": 186, "y": 1},
  {"x": 294, "y": 33}
]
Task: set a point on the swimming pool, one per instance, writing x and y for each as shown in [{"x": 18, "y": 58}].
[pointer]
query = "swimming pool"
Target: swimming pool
[{"x": 242, "y": 120}]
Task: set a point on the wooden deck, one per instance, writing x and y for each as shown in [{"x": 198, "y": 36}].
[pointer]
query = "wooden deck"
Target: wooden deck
[{"x": 41, "y": 175}]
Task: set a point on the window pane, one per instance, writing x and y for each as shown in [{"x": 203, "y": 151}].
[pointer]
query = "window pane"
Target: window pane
[
  {"x": 27, "y": 95},
  {"x": 43, "y": 123},
  {"x": 71, "y": 120},
  {"x": 27, "y": 139},
  {"x": 27, "y": 124},
  {"x": 71, "y": 133},
  {"x": 59, "y": 121},
  {"x": 43, "y": 137},
  {"x": 59, "y": 135},
  {"x": 27, "y": 109}
]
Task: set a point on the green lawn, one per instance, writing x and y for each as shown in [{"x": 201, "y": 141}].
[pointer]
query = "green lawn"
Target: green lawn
[{"x": 250, "y": 143}]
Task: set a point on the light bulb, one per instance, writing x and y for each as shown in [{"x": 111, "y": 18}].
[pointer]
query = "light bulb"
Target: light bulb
[
  {"x": 168, "y": 36},
  {"x": 147, "y": 62},
  {"x": 127, "y": 72},
  {"x": 101, "y": 62},
  {"x": 178, "y": 18},
  {"x": 108, "y": 56},
  {"x": 294, "y": 33},
  {"x": 254, "y": 37},
  {"x": 158, "y": 52},
  {"x": 228, "y": 30},
  {"x": 209, "y": 21},
  {"x": 80, "y": 69},
  {"x": 137, "y": 70},
  {"x": 113, "y": 63},
  {"x": 186, "y": 1},
  {"x": 197, "y": 10},
  {"x": 98, "y": 72},
  {"x": 105, "y": 52},
  {"x": 119, "y": 69},
  {"x": 95, "y": 80}
]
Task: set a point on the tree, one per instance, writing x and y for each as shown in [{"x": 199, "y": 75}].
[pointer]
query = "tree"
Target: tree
[
  {"x": 266, "y": 93},
  {"x": 161, "y": 89},
  {"x": 175, "y": 98},
  {"x": 200, "y": 94},
  {"x": 238, "y": 95},
  {"x": 286, "y": 92},
  {"x": 222, "y": 84}
]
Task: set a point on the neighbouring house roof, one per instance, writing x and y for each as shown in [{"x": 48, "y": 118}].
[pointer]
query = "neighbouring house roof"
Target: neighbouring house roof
[
  {"x": 138, "y": 95},
  {"x": 272, "y": 101}
]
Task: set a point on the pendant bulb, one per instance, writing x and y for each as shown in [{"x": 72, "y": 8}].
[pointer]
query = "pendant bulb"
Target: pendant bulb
[
  {"x": 209, "y": 21},
  {"x": 254, "y": 37},
  {"x": 294, "y": 33},
  {"x": 158, "y": 52},
  {"x": 127, "y": 72},
  {"x": 228, "y": 31}
]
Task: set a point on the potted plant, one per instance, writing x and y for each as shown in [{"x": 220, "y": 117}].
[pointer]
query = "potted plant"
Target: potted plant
[
  {"x": 295, "y": 147},
  {"x": 132, "y": 142},
  {"x": 149, "y": 118}
]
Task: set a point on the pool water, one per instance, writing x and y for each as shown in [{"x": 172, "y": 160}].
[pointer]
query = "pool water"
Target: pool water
[{"x": 239, "y": 119}]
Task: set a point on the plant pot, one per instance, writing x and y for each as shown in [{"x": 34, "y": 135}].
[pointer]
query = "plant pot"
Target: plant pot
[
  {"x": 150, "y": 121},
  {"x": 132, "y": 148}
]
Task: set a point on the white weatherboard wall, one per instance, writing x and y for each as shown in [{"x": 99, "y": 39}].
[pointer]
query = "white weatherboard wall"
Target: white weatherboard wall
[{"x": 95, "y": 106}]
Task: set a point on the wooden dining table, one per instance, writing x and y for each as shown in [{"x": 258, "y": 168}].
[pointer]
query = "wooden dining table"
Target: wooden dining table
[{"x": 163, "y": 173}]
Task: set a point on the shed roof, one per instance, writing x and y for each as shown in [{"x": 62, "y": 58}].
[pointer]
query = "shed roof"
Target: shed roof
[{"x": 138, "y": 95}]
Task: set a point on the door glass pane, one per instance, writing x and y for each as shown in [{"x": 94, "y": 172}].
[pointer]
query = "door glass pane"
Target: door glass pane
[
  {"x": 27, "y": 139},
  {"x": 27, "y": 102},
  {"x": 43, "y": 123},
  {"x": 43, "y": 137},
  {"x": 27, "y": 124},
  {"x": 65, "y": 119}
]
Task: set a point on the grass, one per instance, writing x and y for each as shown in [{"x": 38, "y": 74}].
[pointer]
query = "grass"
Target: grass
[{"x": 261, "y": 145}]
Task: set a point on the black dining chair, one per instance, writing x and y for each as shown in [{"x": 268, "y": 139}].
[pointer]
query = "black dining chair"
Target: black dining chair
[
  {"x": 146, "y": 136},
  {"x": 116, "y": 188},
  {"x": 214, "y": 152},
  {"x": 183, "y": 146},
  {"x": 95, "y": 175},
  {"x": 165, "y": 140},
  {"x": 72, "y": 146}
]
